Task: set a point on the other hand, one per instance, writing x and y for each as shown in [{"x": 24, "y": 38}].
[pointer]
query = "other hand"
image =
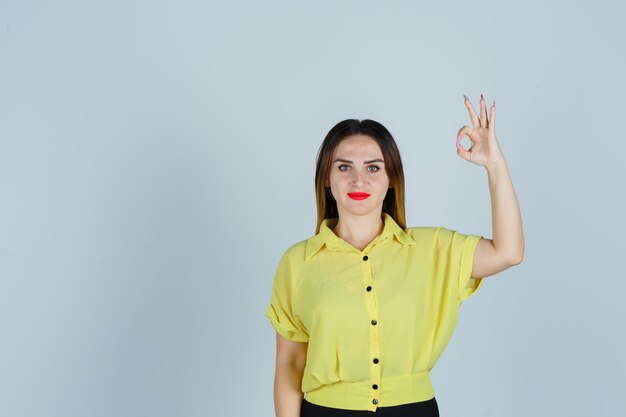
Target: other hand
[{"x": 485, "y": 149}]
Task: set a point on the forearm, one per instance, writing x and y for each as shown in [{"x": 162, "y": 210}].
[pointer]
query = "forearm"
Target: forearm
[
  {"x": 288, "y": 390},
  {"x": 506, "y": 219}
]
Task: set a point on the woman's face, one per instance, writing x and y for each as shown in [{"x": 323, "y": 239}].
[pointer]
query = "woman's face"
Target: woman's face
[{"x": 358, "y": 179}]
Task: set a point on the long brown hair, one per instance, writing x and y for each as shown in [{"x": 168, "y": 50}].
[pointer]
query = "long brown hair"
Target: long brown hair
[{"x": 393, "y": 203}]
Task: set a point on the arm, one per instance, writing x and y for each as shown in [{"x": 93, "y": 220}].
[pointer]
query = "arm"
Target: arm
[
  {"x": 507, "y": 247},
  {"x": 290, "y": 362}
]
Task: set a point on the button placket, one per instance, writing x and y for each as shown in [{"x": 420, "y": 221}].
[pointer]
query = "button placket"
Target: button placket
[{"x": 371, "y": 303}]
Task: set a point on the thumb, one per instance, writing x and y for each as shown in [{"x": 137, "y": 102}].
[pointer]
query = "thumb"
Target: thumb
[{"x": 460, "y": 150}]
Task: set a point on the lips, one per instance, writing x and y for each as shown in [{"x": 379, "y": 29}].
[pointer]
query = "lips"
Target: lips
[{"x": 358, "y": 196}]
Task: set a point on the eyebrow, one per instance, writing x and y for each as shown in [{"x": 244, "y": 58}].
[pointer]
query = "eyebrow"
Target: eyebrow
[{"x": 365, "y": 162}]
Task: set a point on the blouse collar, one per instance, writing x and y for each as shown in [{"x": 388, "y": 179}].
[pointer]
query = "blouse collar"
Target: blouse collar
[{"x": 333, "y": 242}]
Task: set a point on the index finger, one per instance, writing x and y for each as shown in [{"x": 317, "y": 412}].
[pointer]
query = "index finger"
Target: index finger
[{"x": 472, "y": 112}]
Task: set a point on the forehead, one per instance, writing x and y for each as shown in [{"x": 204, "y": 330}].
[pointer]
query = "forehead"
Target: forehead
[{"x": 358, "y": 146}]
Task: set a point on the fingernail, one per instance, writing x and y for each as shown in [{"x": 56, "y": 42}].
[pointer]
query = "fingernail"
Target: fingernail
[
  {"x": 494, "y": 103},
  {"x": 465, "y": 97},
  {"x": 481, "y": 97}
]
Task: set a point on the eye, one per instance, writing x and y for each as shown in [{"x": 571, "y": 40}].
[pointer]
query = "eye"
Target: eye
[
  {"x": 344, "y": 167},
  {"x": 373, "y": 168}
]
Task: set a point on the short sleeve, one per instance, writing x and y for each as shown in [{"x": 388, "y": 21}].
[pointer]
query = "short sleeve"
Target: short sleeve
[
  {"x": 284, "y": 293},
  {"x": 464, "y": 246}
]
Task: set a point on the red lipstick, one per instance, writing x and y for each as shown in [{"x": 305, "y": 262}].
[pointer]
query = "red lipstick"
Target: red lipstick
[{"x": 358, "y": 196}]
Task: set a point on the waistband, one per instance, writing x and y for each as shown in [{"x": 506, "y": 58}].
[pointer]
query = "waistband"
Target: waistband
[{"x": 396, "y": 390}]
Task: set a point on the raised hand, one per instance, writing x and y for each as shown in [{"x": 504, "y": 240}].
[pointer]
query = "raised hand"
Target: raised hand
[{"x": 485, "y": 149}]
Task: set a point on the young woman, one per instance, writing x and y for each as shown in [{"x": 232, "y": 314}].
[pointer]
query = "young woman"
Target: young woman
[{"x": 364, "y": 308}]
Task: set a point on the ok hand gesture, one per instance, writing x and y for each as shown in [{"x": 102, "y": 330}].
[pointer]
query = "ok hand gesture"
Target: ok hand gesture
[{"x": 485, "y": 149}]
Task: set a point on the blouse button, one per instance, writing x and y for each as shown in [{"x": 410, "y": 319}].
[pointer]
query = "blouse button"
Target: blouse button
[
  {"x": 374, "y": 322},
  {"x": 365, "y": 258},
  {"x": 369, "y": 288},
  {"x": 375, "y": 386},
  {"x": 375, "y": 360},
  {"x": 375, "y": 401}
]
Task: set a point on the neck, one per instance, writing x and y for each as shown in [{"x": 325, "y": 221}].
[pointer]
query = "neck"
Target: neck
[{"x": 359, "y": 231}]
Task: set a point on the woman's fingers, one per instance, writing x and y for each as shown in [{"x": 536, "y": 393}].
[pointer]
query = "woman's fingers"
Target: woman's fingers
[
  {"x": 483, "y": 120},
  {"x": 460, "y": 150},
  {"x": 492, "y": 117},
  {"x": 472, "y": 113},
  {"x": 465, "y": 130},
  {"x": 483, "y": 128},
  {"x": 483, "y": 112}
]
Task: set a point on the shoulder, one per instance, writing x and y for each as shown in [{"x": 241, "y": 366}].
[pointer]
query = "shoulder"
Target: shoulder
[
  {"x": 290, "y": 266},
  {"x": 438, "y": 236},
  {"x": 296, "y": 251},
  {"x": 427, "y": 233},
  {"x": 299, "y": 252}
]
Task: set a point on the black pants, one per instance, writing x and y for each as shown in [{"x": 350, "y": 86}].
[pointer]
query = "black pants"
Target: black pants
[{"x": 420, "y": 409}]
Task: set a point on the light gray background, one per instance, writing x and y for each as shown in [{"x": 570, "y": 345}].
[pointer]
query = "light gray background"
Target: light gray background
[{"x": 157, "y": 158}]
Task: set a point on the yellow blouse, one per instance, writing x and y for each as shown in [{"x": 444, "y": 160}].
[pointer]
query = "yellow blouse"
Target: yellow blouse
[{"x": 375, "y": 320}]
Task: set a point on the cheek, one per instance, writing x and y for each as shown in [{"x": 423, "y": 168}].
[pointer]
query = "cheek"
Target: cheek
[
  {"x": 383, "y": 181},
  {"x": 337, "y": 180}
]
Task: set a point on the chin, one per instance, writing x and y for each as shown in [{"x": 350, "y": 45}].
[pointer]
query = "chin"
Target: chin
[{"x": 360, "y": 211}]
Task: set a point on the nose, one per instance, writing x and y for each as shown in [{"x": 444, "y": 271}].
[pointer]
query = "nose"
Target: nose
[{"x": 358, "y": 179}]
